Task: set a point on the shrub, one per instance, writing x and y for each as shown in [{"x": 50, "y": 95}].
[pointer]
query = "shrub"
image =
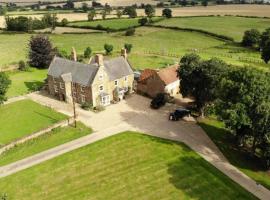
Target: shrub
[
  {"x": 108, "y": 48},
  {"x": 64, "y": 22},
  {"x": 143, "y": 21},
  {"x": 22, "y": 66},
  {"x": 167, "y": 13},
  {"x": 87, "y": 52},
  {"x": 251, "y": 38},
  {"x": 128, "y": 47},
  {"x": 99, "y": 108},
  {"x": 86, "y": 106},
  {"x": 130, "y": 32}
]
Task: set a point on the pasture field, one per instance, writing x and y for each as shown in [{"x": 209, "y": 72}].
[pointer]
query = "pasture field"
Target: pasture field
[
  {"x": 49, "y": 140},
  {"x": 25, "y": 117},
  {"x": 242, "y": 160},
  {"x": 227, "y": 25},
  {"x": 148, "y": 44},
  {"x": 25, "y": 81},
  {"x": 125, "y": 166}
]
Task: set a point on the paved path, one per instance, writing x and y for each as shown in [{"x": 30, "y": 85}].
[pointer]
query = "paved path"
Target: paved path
[{"x": 135, "y": 114}]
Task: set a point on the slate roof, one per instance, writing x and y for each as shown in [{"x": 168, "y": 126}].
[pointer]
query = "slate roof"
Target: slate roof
[{"x": 84, "y": 74}]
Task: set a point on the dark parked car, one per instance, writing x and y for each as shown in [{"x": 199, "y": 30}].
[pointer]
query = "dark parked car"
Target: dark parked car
[
  {"x": 158, "y": 101},
  {"x": 179, "y": 114}
]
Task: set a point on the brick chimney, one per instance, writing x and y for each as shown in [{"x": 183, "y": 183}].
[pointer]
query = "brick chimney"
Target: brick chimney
[
  {"x": 99, "y": 59},
  {"x": 73, "y": 54},
  {"x": 124, "y": 53}
]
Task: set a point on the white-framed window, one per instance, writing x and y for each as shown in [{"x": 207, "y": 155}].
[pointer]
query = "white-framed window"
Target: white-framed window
[
  {"x": 101, "y": 88},
  {"x": 61, "y": 85},
  {"x": 82, "y": 88},
  {"x": 116, "y": 82},
  {"x": 82, "y": 98},
  {"x": 55, "y": 88},
  {"x": 100, "y": 77},
  {"x": 105, "y": 100}
]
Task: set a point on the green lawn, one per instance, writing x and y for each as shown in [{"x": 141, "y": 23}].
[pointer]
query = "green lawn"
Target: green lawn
[
  {"x": 25, "y": 117},
  {"x": 224, "y": 140},
  {"x": 152, "y": 47},
  {"x": 52, "y": 139},
  {"x": 230, "y": 26},
  {"x": 125, "y": 166},
  {"x": 24, "y": 82},
  {"x": 114, "y": 24}
]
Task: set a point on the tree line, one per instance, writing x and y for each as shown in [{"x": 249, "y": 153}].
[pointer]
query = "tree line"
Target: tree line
[{"x": 239, "y": 96}]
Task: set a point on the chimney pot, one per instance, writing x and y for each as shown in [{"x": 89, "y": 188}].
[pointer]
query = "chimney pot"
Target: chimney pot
[
  {"x": 74, "y": 54},
  {"x": 99, "y": 59},
  {"x": 124, "y": 53}
]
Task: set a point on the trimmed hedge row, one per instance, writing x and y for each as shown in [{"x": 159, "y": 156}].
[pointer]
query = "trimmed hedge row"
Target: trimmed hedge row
[{"x": 218, "y": 36}]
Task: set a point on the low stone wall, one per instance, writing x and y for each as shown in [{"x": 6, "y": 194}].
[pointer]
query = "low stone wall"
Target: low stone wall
[{"x": 36, "y": 134}]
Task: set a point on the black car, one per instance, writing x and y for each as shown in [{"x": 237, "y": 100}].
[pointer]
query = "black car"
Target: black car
[
  {"x": 158, "y": 101},
  {"x": 179, "y": 114}
]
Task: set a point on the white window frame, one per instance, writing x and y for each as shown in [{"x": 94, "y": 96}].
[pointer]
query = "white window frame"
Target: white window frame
[
  {"x": 82, "y": 98},
  {"x": 61, "y": 85},
  {"x": 105, "y": 100},
  {"x": 101, "y": 86},
  {"x": 116, "y": 83},
  {"x": 55, "y": 88}
]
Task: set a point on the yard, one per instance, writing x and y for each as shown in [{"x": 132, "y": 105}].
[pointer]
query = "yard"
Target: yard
[
  {"x": 25, "y": 117},
  {"x": 227, "y": 25},
  {"x": 52, "y": 139},
  {"x": 125, "y": 166},
  {"x": 242, "y": 160}
]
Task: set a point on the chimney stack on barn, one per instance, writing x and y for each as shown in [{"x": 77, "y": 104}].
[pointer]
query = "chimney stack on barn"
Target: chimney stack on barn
[
  {"x": 73, "y": 54},
  {"x": 99, "y": 59},
  {"x": 124, "y": 53}
]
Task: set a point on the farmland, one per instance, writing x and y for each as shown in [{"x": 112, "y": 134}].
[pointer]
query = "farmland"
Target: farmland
[
  {"x": 227, "y": 25},
  {"x": 23, "y": 118},
  {"x": 125, "y": 166}
]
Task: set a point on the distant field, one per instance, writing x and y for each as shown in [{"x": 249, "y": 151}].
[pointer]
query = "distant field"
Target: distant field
[
  {"x": 126, "y": 166},
  {"x": 229, "y": 26},
  {"x": 152, "y": 47},
  {"x": 24, "y": 118}
]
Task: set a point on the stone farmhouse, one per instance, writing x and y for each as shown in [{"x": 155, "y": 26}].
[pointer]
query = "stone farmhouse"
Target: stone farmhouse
[
  {"x": 98, "y": 83},
  {"x": 152, "y": 82}
]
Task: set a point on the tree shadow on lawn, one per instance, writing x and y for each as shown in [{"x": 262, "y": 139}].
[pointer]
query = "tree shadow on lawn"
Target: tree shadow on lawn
[
  {"x": 33, "y": 85},
  {"x": 52, "y": 120},
  {"x": 200, "y": 180},
  {"x": 227, "y": 144}
]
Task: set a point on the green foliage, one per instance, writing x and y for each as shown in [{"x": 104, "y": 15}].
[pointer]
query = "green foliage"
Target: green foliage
[
  {"x": 251, "y": 38},
  {"x": 64, "y": 22},
  {"x": 149, "y": 10},
  {"x": 143, "y": 21},
  {"x": 130, "y": 32},
  {"x": 22, "y": 66},
  {"x": 84, "y": 7},
  {"x": 265, "y": 45},
  {"x": 108, "y": 48},
  {"x": 205, "y": 3},
  {"x": 20, "y": 23},
  {"x": 87, "y": 106},
  {"x": 91, "y": 15},
  {"x": 130, "y": 11},
  {"x": 167, "y": 12},
  {"x": 119, "y": 13},
  {"x": 40, "y": 51},
  {"x": 199, "y": 78},
  {"x": 4, "y": 85},
  {"x": 104, "y": 14},
  {"x": 128, "y": 47},
  {"x": 69, "y": 4},
  {"x": 87, "y": 52},
  {"x": 3, "y": 11}
]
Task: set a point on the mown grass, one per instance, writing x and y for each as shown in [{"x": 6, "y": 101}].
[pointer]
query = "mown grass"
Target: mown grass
[
  {"x": 125, "y": 166},
  {"x": 226, "y": 25},
  {"x": 25, "y": 81},
  {"x": 242, "y": 160},
  {"x": 25, "y": 117},
  {"x": 49, "y": 140}
]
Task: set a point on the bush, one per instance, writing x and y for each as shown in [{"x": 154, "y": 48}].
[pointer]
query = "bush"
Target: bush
[
  {"x": 108, "y": 48},
  {"x": 86, "y": 106},
  {"x": 251, "y": 38},
  {"x": 167, "y": 13},
  {"x": 22, "y": 66},
  {"x": 130, "y": 32},
  {"x": 99, "y": 108},
  {"x": 87, "y": 52},
  {"x": 64, "y": 22},
  {"x": 143, "y": 21},
  {"x": 128, "y": 47}
]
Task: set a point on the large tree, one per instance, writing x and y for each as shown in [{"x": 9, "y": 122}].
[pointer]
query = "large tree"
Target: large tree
[
  {"x": 251, "y": 38},
  {"x": 199, "y": 79},
  {"x": 41, "y": 51},
  {"x": 167, "y": 12},
  {"x": 265, "y": 45},
  {"x": 149, "y": 10},
  {"x": 4, "y": 84},
  {"x": 130, "y": 11}
]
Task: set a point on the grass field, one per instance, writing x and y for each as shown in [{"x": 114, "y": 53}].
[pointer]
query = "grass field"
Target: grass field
[
  {"x": 229, "y": 26},
  {"x": 52, "y": 139},
  {"x": 114, "y": 24},
  {"x": 25, "y": 117},
  {"x": 243, "y": 161},
  {"x": 125, "y": 166},
  {"x": 24, "y": 82}
]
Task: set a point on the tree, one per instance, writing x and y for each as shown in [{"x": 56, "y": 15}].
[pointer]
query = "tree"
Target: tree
[
  {"x": 20, "y": 23},
  {"x": 130, "y": 32},
  {"x": 119, "y": 13},
  {"x": 87, "y": 52},
  {"x": 108, "y": 48},
  {"x": 108, "y": 8},
  {"x": 4, "y": 84},
  {"x": 128, "y": 47},
  {"x": 104, "y": 14},
  {"x": 69, "y": 4},
  {"x": 143, "y": 21},
  {"x": 64, "y": 22},
  {"x": 3, "y": 11},
  {"x": 85, "y": 7},
  {"x": 251, "y": 38},
  {"x": 199, "y": 79},
  {"x": 205, "y": 3},
  {"x": 130, "y": 11},
  {"x": 149, "y": 10},
  {"x": 167, "y": 13},
  {"x": 40, "y": 51},
  {"x": 265, "y": 45},
  {"x": 183, "y": 3},
  {"x": 91, "y": 15}
]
